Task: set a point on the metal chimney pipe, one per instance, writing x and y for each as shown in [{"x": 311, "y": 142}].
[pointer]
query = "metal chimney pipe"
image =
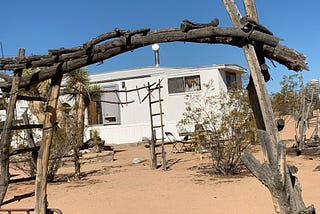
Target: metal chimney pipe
[{"x": 155, "y": 48}]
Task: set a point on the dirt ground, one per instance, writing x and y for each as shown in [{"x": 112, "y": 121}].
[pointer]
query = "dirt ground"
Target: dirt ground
[{"x": 122, "y": 187}]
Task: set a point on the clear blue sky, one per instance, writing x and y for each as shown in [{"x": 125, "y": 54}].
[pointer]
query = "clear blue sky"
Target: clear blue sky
[{"x": 38, "y": 25}]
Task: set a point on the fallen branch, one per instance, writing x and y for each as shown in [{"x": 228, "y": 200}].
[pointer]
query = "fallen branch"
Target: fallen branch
[{"x": 18, "y": 198}]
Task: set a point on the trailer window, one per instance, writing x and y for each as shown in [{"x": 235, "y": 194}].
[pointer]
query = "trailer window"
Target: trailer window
[
  {"x": 184, "y": 84},
  {"x": 231, "y": 79}
]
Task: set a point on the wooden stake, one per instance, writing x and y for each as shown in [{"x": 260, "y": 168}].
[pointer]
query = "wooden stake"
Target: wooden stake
[
  {"x": 152, "y": 142},
  {"x": 6, "y": 134},
  {"x": 43, "y": 156}
]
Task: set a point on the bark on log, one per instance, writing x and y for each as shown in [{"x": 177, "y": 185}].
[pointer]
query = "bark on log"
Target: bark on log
[
  {"x": 6, "y": 134},
  {"x": 24, "y": 150},
  {"x": 188, "y": 25},
  {"x": 252, "y": 15},
  {"x": 43, "y": 156},
  {"x": 274, "y": 173},
  {"x": 18, "y": 198},
  {"x": 99, "y": 49},
  {"x": 284, "y": 188},
  {"x": 32, "y": 98},
  {"x": 21, "y": 127}
]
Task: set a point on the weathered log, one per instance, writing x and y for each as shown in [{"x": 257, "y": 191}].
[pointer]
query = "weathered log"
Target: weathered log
[
  {"x": 250, "y": 8},
  {"x": 6, "y": 134},
  {"x": 22, "y": 127},
  {"x": 274, "y": 173},
  {"x": 31, "y": 98},
  {"x": 252, "y": 17},
  {"x": 284, "y": 187},
  {"x": 31, "y": 141},
  {"x": 43, "y": 155},
  {"x": 188, "y": 25},
  {"x": 19, "y": 180},
  {"x": 73, "y": 58},
  {"x": 24, "y": 150},
  {"x": 112, "y": 102},
  {"x": 18, "y": 198}
]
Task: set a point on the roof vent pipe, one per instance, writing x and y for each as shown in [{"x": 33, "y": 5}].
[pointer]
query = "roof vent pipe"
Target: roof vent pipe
[{"x": 155, "y": 48}]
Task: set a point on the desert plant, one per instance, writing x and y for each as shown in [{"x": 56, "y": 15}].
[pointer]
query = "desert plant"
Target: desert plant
[
  {"x": 77, "y": 82},
  {"x": 287, "y": 101},
  {"x": 59, "y": 149},
  {"x": 224, "y": 125}
]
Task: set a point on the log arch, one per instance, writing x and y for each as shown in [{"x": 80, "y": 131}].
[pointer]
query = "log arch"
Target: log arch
[
  {"x": 246, "y": 34},
  {"x": 118, "y": 41}
]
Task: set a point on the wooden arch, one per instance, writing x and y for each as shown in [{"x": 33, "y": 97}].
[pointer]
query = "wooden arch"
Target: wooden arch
[{"x": 257, "y": 43}]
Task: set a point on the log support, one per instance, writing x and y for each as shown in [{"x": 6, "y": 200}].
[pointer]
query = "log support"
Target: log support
[
  {"x": 274, "y": 172},
  {"x": 6, "y": 134},
  {"x": 278, "y": 177},
  {"x": 43, "y": 155},
  {"x": 114, "y": 43}
]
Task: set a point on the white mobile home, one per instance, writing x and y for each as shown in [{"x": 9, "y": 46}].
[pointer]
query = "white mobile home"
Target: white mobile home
[{"x": 125, "y": 116}]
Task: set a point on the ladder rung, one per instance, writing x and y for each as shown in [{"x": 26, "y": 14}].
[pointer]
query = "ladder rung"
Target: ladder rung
[
  {"x": 24, "y": 150},
  {"x": 156, "y": 127},
  {"x": 156, "y": 101},
  {"x": 31, "y": 98},
  {"x": 156, "y": 114},
  {"x": 30, "y": 126}
]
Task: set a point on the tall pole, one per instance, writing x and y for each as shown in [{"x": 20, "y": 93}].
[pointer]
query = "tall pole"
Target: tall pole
[
  {"x": 6, "y": 134},
  {"x": 153, "y": 134},
  {"x": 43, "y": 156}
]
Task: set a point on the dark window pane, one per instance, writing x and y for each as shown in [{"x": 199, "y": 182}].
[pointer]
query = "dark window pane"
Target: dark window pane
[
  {"x": 231, "y": 79},
  {"x": 176, "y": 85},
  {"x": 94, "y": 113},
  {"x": 192, "y": 83}
]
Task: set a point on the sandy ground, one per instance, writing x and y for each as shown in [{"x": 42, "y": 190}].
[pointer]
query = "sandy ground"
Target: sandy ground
[{"x": 121, "y": 187}]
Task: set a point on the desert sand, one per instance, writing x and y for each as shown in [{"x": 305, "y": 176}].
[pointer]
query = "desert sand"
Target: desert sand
[{"x": 122, "y": 187}]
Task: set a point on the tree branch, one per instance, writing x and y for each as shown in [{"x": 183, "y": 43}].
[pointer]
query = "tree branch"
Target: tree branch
[{"x": 100, "y": 48}]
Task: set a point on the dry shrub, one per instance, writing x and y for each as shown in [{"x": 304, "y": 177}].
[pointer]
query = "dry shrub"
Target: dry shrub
[{"x": 222, "y": 125}]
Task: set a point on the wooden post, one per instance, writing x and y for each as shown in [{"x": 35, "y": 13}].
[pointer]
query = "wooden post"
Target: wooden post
[
  {"x": 152, "y": 141},
  {"x": 275, "y": 174},
  {"x": 43, "y": 157},
  {"x": 250, "y": 8},
  {"x": 6, "y": 134},
  {"x": 79, "y": 130},
  {"x": 31, "y": 142},
  {"x": 257, "y": 77}
]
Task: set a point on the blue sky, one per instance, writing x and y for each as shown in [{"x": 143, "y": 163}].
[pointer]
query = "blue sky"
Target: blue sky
[{"x": 38, "y": 25}]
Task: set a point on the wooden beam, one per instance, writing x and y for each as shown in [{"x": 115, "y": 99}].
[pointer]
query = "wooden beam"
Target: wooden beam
[
  {"x": 258, "y": 79},
  {"x": 24, "y": 150},
  {"x": 274, "y": 173},
  {"x": 43, "y": 155},
  {"x": 251, "y": 11},
  {"x": 32, "y": 98},
  {"x": 74, "y": 58},
  {"x": 6, "y": 134},
  {"x": 18, "y": 198}
]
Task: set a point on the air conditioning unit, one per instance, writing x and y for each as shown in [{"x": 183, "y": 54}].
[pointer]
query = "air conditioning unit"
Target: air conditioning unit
[{"x": 110, "y": 120}]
